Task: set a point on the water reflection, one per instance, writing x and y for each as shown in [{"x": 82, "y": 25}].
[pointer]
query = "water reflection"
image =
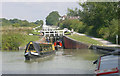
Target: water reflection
[
  {"x": 39, "y": 60},
  {"x": 81, "y": 53},
  {"x": 67, "y": 61}
]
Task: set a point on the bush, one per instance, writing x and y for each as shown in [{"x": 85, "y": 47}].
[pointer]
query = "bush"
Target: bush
[
  {"x": 75, "y": 24},
  {"x": 12, "y": 41}
]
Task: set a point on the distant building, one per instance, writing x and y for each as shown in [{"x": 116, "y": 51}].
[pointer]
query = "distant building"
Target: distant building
[
  {"x": 63, "y": 17},
  {"x": 69, "y": 17},
  {"x": 73, "y": 17}
]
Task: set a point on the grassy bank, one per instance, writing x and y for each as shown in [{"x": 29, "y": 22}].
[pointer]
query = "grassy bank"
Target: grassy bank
[
  {"x": 35, "y": 33},
  {"x": 13, "y": 37},
  {"x": 22, "y": 30},
  {"x": 84, "y": 39},
  {"x": 12, "y": 41}
]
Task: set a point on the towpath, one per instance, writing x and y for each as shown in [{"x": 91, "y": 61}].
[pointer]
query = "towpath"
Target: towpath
[{"x": 106, "y": 43}]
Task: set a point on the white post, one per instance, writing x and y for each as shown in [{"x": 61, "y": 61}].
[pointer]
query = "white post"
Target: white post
[
  {"x": 54, "y": 33},
  {"x": 116, "y": 39},
  {"x": 49, "y": 33},
  {"x": 63, "y": 32},
  {"x": 44, "y": 34},
  {"x": 58, "y": 33}
]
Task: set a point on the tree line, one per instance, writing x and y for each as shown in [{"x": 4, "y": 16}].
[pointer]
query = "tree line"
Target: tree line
[
  {"x": 52, "y": 18},
  {"x": 102, "y": 18},
  {"x": 98, "y": 19},
  {"x": 20, "y": 23}
]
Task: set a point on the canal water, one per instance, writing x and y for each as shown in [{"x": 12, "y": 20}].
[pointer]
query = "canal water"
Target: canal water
[{"x": 64, "y": 61}]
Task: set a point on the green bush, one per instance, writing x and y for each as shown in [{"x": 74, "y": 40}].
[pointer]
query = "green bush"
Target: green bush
[{"x": 11, "y": 41}]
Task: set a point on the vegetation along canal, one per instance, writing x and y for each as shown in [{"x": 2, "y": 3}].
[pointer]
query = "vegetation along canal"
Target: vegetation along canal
[{"x": 64, "y": 61}]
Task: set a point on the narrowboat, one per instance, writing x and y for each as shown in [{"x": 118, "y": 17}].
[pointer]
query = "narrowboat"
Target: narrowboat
[
  {"x": 35, "y": 50},
  {"x": 58, "y": 44},
  {"x": 108, "y": 65}
]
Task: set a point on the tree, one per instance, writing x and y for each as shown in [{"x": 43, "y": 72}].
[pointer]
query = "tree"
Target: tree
[
  {"x": 72, "y": 12},
  {"x": 5, "y": 22},
  {"x": 98, "y": 14},
  {"x": 16, "y": 25},
  {"x": 52, "y": 18},
  {"x": 20, "y": 23},
  {"x": 39, "y": 22}
]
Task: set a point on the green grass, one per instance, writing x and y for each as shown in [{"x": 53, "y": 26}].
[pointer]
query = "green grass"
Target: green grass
[
  {"x": 13, "y": 39},
  {"x": 84, "y": 39},
  {"x": 67, "y": 33},
  {"x": 36, "y": 33},
  {"x": 28, "y": 38}
]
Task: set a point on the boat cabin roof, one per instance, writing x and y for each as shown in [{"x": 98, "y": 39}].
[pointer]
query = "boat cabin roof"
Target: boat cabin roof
[
  {"x": 109, "y": 62},
  {"x": 37, "y": 45}
]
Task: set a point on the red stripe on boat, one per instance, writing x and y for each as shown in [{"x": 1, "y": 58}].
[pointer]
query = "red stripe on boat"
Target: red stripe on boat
[{"x": 108, "y": 72}]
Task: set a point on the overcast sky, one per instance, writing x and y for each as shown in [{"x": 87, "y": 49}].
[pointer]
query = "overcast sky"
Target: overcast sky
[{"x": 33, "y": 11}]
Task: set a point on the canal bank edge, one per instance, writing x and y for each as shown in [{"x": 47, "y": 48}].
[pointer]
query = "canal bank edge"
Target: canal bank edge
[{"x": 70, "y": 43}]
